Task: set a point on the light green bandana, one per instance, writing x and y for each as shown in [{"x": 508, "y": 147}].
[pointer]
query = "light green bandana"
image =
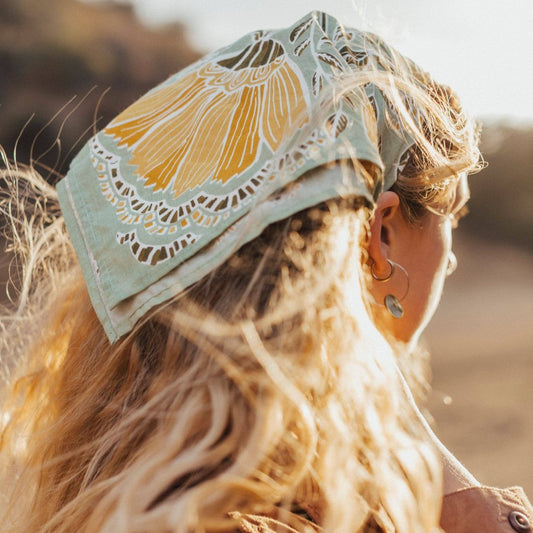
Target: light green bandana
[{"x": 205, "y": 161}]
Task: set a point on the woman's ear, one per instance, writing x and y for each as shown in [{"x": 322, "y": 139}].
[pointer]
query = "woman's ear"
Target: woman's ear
[{"x": 381, "y": 232}]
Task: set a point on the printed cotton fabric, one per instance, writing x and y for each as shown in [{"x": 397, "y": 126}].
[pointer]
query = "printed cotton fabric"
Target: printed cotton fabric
[{"x": 204, "y": 162}]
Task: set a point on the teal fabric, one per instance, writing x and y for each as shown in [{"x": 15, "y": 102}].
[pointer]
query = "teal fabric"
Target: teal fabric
[{"x": 204, "y": 162}]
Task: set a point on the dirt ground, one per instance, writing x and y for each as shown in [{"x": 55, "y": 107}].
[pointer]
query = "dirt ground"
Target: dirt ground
[{"x": 481, "y": 341}]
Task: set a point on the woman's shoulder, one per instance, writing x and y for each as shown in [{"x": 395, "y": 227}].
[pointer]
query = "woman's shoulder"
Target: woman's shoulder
[{"x": 487, "y": 509}]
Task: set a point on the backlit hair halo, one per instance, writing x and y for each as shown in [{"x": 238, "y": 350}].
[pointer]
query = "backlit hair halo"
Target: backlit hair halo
[{"x": 202, "y": 163}]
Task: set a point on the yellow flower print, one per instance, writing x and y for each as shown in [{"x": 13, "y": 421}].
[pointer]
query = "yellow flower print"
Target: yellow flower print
[{"x": 213, "y": 123}]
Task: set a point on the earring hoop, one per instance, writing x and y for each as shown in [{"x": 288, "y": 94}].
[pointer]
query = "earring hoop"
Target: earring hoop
[
  {"x": 391, "y": 302},
  {"x": 388, "y": 276}
]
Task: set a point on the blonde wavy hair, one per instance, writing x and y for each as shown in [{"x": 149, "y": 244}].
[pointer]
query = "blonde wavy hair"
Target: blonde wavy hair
[{"x": 261, "y": 399}]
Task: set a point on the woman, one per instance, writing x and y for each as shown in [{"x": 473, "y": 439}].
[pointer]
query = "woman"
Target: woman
[{"x": 253, "y": 249}]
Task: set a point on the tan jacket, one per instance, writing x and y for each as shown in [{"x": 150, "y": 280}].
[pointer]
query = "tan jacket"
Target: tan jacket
[
  {"x": 487, "y": 510},
  {"x": 473, "y": 510}
]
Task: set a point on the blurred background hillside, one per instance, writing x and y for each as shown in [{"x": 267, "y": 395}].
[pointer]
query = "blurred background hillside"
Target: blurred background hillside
[
  {"x": 59, "y": 57},
  {"x": 67, "y": 67}
]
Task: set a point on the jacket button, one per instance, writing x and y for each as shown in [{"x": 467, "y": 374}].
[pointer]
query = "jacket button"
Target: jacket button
[{"x": 519, "y": 522}]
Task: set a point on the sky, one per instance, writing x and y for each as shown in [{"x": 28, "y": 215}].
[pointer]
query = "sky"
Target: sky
[{"x": 481, "y": 48}]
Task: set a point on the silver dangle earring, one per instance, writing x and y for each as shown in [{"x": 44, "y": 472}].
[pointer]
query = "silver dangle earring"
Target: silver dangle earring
[{"x": 391, "y": 302}]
